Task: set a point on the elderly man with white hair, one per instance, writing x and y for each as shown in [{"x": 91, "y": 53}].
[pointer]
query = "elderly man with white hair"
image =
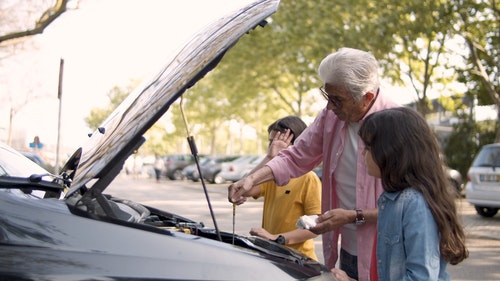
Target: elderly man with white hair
[{"x": 349, "y": 195}]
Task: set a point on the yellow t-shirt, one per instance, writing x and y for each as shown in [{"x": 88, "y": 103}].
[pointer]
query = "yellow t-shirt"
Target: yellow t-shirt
[{"x": 284, "y": 205}]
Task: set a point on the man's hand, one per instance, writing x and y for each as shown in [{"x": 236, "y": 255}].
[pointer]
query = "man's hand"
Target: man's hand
[
  {"x": 341, "y": 275},
  {"x": 236, "y": 191},
  {"x": 332, "y": 220}
]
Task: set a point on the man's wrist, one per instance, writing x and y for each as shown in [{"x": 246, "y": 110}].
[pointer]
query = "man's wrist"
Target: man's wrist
[{"x": 360, "y": 217}]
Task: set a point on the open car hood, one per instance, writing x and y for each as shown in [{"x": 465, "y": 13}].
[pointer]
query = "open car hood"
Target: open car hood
[{"x": 102, "y": 157}]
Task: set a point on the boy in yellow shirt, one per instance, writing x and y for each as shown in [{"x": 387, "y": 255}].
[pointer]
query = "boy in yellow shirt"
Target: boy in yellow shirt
[{"x": 284, "y": 205}]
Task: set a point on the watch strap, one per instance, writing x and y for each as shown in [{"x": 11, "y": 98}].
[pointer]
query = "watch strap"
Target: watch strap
[
  {"x": 360, "y": 218},
  {"x": 280, "y": 240}
]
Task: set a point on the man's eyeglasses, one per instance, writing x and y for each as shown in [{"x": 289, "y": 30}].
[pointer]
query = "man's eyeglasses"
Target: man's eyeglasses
[{"x": 335, "y": 100}]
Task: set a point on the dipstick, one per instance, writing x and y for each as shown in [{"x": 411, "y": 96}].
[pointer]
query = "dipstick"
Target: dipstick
[{"x": 234, "y": 218}]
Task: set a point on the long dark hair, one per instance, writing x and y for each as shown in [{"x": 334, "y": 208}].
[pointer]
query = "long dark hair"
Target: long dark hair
[{"x": 407, "y": 152}]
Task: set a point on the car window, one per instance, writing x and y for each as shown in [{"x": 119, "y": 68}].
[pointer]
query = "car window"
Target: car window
[
  {"x": 3, "y": 172},
  {"x": 488, "y": 157},
  {"x": 226, "y": 159},
  {"x": 12, "y": 163},
  {"x": 203, "y": 161}
]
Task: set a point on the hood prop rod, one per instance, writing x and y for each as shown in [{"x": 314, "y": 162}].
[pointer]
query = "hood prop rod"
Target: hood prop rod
[{"x": 194, "y": 152}]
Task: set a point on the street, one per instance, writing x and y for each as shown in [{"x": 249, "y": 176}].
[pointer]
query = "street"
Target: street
[{"x": 187, "y": 199}]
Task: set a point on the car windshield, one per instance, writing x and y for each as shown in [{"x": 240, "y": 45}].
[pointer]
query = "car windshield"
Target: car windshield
[
  {"x": 488, "y": 157},
  {"x": 15, "y": 164}
]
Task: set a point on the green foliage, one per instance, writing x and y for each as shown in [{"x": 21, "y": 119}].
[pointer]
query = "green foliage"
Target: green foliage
[
  {"x": 155, "y": 142},
  {"x": 271, "y": 73},
  {"x": 116, "y": 96},
  {"x": 466, "y": 140},
  {"x": 98, "y": 115},
  {"x": 452, "y": 103},
  {"x": 478, "y": 22}
]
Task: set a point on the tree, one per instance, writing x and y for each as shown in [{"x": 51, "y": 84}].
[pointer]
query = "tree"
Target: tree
[
  {"x": 273, "y": 72},
  {"x": 18, "y": 21},
  {"x": 278, "y": 65},
  {"x": 116, "y": 96},
  {"x": 281, "y": 62},
  {"x": 24, "y": 19},
  {"x": 159, "y": 140},
  {"x": 207, "y": 104},
  {"x": 460, "y": 151},
  {"x": 418, "y": 32},
  {"x": 478, "y": 22},
  {"x": 12, "y": 112}
]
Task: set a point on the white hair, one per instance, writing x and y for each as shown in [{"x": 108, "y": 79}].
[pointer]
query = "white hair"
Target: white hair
[{"x": 353, "y": 69}]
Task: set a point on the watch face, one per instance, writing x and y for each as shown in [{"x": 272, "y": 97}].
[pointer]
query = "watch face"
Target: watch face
[
  {"x": 359, "y": 222},
  {"x": 281, "y": 240},
  {"x": 360, "y": 218}
]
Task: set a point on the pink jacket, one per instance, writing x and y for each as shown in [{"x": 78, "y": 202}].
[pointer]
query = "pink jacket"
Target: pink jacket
[{"x": 319, "y": 142}]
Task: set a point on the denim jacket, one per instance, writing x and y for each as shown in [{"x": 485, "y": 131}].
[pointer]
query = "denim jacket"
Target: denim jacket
[{"x": 408, "y": 239}]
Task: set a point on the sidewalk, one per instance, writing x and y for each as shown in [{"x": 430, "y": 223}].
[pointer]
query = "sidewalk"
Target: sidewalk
[
  {"x": 477, "y": 226},
  {"x": 483, "y": 243}
]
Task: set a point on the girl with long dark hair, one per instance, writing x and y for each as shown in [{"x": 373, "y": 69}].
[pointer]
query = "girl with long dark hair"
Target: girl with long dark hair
[{"x": 419, "y": 231}]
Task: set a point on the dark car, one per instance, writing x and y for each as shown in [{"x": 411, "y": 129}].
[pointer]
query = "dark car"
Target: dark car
[
  {"x": 66, "y": 227},
  {"x": 190, "y": 172},
  {"x": 212, "y": 167},
  {"x": 174, "y": 163}
]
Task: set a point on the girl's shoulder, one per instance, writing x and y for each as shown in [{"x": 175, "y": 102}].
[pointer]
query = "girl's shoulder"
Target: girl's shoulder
[
  {"x": 411, "y": 195},
  {"x": 407, "y": 194},
  {"x": 410, "y": 191}
]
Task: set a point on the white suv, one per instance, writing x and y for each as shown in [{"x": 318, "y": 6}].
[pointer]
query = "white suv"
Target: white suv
[{"x": 483, "y": 181}]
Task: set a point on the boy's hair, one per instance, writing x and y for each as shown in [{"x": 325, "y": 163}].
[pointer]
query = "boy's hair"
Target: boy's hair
[{"x": 293, "y": 123}]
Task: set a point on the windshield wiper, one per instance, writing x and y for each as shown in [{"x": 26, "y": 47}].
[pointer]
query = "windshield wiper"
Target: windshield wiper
[{"x": 32, "y": 182}]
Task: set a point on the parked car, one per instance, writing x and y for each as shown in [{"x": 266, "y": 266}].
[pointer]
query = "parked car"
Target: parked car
[
  {"x": 483, "y": 181},
  {"x": 66, "y": 227},
  {"x": 238, "y": 168},
  {"x": 456, "y": 181},
  {"x": 190, "y": 172},
  {"x": 211, "y": 169},
  {"x": 174, "y": 163}
]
